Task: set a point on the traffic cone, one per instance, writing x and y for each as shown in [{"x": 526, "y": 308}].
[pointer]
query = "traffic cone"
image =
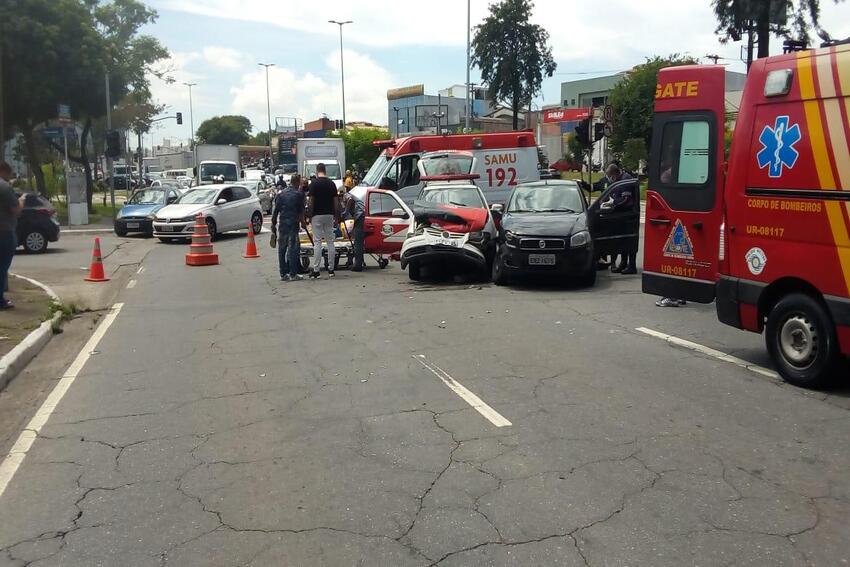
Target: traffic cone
[
  {"x": 96, "y": 273},
  {"x": 251, "y": 245},
  {"x": 201, "y": 250}
]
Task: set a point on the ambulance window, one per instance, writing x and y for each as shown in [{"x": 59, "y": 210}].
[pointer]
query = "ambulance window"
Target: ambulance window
[
  {"x": 685, "y": 153},
  {"x": 404, "y": 171},
  {"x": 381, "y": 205}
]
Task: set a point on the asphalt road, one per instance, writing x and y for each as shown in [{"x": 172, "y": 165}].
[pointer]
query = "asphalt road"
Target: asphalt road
[{"x": 226, "y": 418}]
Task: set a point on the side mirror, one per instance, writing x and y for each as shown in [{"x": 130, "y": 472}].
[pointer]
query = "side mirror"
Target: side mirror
[
  {"x": 399, "y": 213},
  {"x": 607, "y": 206},
  {"x": 497, "y": 208},
  {"x": 221, "y": 202},
  {"x": 172, "y": 199}
]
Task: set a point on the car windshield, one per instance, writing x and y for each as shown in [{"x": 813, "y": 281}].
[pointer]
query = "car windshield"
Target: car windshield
[
  {"x": 331, "y": 170},
  {"x": 148, "y": 197},
  {"x": 446, "y": 164},
  {"x": 456, "y": 196},
  {"x": 376, "y": 172},
  {"x": 199, "y": 197},
  {"x": 537, "y": 198},
  {"x": 210, "y": 170}
]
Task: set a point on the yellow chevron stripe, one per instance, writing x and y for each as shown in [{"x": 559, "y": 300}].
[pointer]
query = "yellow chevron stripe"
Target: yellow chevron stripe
[{"x": 822, "y": 162}]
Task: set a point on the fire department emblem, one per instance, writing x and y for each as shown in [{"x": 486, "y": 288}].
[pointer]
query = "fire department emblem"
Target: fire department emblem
[
  {"x": 756, "y": 261},
  {"x": 678, "y": 244},
  {"x": 386, "y": 230},
  {"x": 777, "y": 146}
]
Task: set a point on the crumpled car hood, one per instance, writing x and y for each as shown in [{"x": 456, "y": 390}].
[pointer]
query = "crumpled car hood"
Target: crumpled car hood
[{"x": 447, "y": 217}]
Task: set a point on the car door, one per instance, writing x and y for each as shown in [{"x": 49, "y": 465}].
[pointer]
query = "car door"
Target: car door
[
  {"x": 385, "y": 233},
  {"x": 244, "y": 205},
  {"x": 226, "y": 212},
  {"x": 615, "y": 228}
]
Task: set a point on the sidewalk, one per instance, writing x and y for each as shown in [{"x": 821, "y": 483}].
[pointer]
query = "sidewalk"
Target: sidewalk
[{"x": 32, "y": 306}]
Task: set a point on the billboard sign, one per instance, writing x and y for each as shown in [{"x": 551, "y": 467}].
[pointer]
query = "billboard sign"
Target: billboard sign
[{"x": 555, "y": 115}]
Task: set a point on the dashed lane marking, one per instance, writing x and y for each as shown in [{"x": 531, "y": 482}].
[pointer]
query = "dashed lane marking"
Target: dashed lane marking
[
  {"x": 16, "y": 455},
  {"x": 477, "y": 403},
  {"x": 708, "y": 351}
]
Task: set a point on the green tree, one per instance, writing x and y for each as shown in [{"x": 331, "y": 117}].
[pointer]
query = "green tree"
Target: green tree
[
  {"x": 633, "y": 100},
  {"x": 259, "y": 139},
  {"x": 634, "y": 152},
  {"x": 359, "y": 148},
  {"x": 757, "y": 20},
  {"x": 512, "y": 54},
  {"x": 231, "y": 129}
]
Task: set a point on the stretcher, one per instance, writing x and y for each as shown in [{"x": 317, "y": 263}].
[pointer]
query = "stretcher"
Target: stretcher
[{"x": 343, "y": 247}]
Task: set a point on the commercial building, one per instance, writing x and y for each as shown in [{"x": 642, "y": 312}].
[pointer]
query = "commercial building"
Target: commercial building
[{"x": 411, "y": 111}]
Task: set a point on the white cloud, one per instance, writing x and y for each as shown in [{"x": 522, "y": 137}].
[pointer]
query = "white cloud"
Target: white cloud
[
  {"x": 308, "y": 96},
  {"x": 223, "y": 57}
]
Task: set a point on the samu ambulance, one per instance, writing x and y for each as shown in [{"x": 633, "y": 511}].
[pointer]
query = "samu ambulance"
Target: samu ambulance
[
  {"x": 503, "y": 160},
  {"x": 766, "y": 235}
]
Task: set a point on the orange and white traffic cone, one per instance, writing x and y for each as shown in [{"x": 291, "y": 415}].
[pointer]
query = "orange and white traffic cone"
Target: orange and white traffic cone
[
  {"x": 201, "y": 250},
  {"x": 251, "y": 245},
  {"x": 96, "y": 273}
]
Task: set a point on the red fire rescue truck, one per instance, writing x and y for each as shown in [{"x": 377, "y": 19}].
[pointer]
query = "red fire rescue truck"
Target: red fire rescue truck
[{"x": 766, "y": 235}]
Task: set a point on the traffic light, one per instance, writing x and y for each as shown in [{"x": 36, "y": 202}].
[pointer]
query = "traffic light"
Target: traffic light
[
  {"x": 113, "y": 143},
  {"x": 338, "y": 125},
  {"x": 598, "y": 131},
  {"x": 583, "y": 132},
  {"x": 180, "y": 118}
]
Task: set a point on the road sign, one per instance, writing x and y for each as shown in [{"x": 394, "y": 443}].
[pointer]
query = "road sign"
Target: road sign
[
  {"x": 608, "y": 113},
  {"x": 609, "y": 128},
  {"x": 51, "y": 132},
  {"x": 63, "y": 113}
]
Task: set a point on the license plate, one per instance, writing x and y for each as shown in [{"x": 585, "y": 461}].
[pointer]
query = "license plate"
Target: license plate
[
  {"x": 132, "y": 225},
  {"x": 451, "y": 243},
  {"x": 541, "y": 259},
  {"x": 166, "y": 228}
]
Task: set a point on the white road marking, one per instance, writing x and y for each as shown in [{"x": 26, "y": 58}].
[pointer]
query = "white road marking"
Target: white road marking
[
  {"x": 140, "y": 270},
  {"x": 708, "y": 351},
  {"x": 18, "y": 452},
  {"x": 477, "y": 403},
  {"x": 131, "y": 284}
]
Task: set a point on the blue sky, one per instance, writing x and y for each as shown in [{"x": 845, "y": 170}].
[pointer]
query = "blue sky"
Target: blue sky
[{"x": 218, "y": 43}]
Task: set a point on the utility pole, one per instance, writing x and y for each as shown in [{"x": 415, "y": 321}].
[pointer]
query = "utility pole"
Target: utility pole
[
  {"x": 109, "y": 158},
  {"x": 468, "y": 64},
  {"x": 192, "y": 126},
  {"x": 2, "y": 108},
  {"x": 714, "y": 58},
  {"x": 269, "y": 110},
  {"x": 341, "y": 66}
]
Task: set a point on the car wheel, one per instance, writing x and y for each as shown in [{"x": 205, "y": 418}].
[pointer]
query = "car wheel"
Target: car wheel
[
  {"x": 120, "y": 231},
  {"x": 802, "y": 342},
  {"x": 212, "y": 228},
  {"x": 588, "y": 279},
  {"x": 498, "y": 274},
  {"x": 35, "y": 242},
  {"x": 413, "y": 272},
  {"x": 257, "y": 222}
]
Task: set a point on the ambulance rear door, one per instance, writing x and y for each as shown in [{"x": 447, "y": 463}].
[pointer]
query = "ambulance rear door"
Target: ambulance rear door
[
  {"x": 503, "y": 169},
  {"x": 684, "y": 197}
]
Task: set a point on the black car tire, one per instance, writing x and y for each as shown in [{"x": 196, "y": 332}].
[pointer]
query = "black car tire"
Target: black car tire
[
  {"x": 413, "y": 272},
  {"x": 588, "y": 279},
  {"x": 120, "y": 231},
  {"x": 212, "y": 228},
  {"x": 498, "y": 274},
  {"x": 257, "y": 223},
  {"x": 35, "y": 242},
  {"x": 802, "y": 315}
]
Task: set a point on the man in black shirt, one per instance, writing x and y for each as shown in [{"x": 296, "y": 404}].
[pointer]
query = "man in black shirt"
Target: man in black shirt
[
  {"x": 10, "y": 208},
  {"x": 323, "y": 210}
]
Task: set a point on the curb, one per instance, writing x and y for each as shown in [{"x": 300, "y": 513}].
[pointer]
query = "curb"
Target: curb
[{"x": 15, "y": 360}]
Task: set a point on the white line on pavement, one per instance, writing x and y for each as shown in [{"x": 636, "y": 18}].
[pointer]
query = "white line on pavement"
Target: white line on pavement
[
  {"x": 131, "y": 284},
  {"x": 18, "y": 452},
  {"x": 708, "y": 351},
  {"x": 140, "y": 270},
  {"x": 477, "y": 403}
]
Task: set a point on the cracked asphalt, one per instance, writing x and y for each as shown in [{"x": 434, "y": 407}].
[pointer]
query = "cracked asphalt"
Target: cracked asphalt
[{"x": 230, "y": 419}]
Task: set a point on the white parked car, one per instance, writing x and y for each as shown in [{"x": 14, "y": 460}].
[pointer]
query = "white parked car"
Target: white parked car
[{"x": 225, "y": 207}]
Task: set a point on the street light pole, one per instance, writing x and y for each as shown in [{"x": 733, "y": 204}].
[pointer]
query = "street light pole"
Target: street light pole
[
  {"x": 269, "y": 110},
  {"x": 468, "y": 60},
  {"x": 341, "y": 65},
  {"x": 192, "y": 126}
]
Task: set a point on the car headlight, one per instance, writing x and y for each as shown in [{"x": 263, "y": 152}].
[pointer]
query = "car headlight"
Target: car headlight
[
  {"x": 151, "y": 216},
  {"x": 580, "y": 239},
  {"x": 477, "y": 236},
  {"x": 511, "y": 239}
]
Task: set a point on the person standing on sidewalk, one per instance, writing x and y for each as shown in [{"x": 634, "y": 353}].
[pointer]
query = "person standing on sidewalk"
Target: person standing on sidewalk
[
  {"x": 357, "y": 211},
  {"x": 323, "y": 210},
  {"x": 287, "y": 218},
  {"x": 10, "y": 208}
]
